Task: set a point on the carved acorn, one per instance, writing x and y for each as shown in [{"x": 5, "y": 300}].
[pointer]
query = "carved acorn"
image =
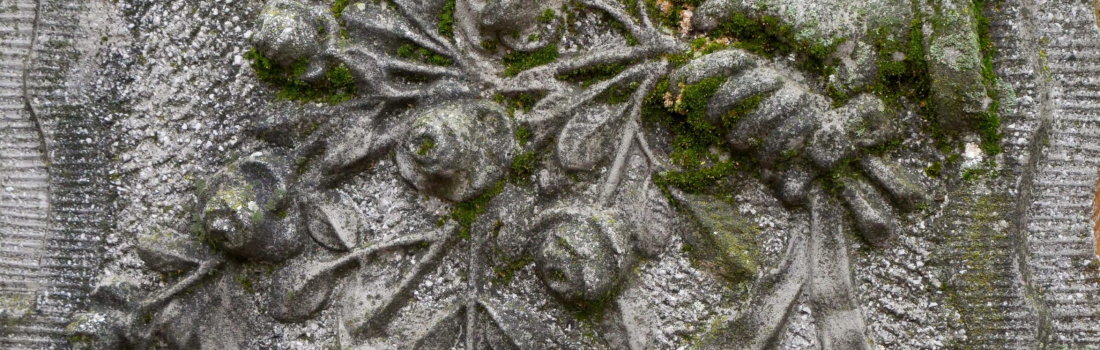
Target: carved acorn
[
  {"x": 457, "y": 150},
  {"x": 246, "y": 211},
  {"x": 289, "y": 32},
  {"x": 584, "y": 255}
]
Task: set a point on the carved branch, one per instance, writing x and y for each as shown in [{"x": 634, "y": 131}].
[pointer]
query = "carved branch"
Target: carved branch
[
  {"x": 206, "y": 268},
  {"x": 544, "y": 120}
]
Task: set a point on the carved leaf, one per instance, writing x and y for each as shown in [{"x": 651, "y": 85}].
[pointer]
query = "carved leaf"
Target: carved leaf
[
  {"x": 513, "y": 327},
  {"x": 300, "y": 290},
  {"x": 722, "y": 235},
  {"x": 333, "y": 224},
  {"x": 584, "y": 136},
  {"x": 170, "y": 252},
  {"x": 656, "y": 217}
]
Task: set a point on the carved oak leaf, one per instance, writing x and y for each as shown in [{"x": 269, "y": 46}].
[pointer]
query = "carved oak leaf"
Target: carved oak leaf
[
  {"x": 584, "y": 135},
  {"x": 514, "y": 327},
  {"x": 332, "y": 223}
]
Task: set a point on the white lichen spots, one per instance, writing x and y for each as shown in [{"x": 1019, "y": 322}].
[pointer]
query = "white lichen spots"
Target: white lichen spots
[
  {"x": 959, "y": 51},
  {"x": 972, "y": 155}
]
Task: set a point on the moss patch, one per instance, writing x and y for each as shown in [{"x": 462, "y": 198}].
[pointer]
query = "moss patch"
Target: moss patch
[
  {"x": 698, "y": 144},
  {"x": 447, "y": 19},
  {"x": 590, "y": 75},
  {"x": 338, "y": 85},
  {"x": 522, "y": 101},
  {"x": 523, "y": 166},
  {"x": 767, "y": 36},
  {"x": 517, "y": 61},
  {"x": 416, "y": 53},
  {"x": 466, "y": 213},
  {"x": 989, "y": 123}
]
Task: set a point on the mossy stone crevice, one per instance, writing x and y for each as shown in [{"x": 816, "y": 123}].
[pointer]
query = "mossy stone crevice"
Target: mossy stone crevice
[
  {"x": 337, "y": 86},
  {"x": 518, "y": 61}
]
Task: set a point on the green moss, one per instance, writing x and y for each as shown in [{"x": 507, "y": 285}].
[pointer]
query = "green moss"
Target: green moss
[
  {"x": 466, "y": 213},
  {"x": 767, "y": 36},
  {"x": 986, "y": 169},
  {"x": 505, "y": 272},
  {"x": 246, "y": 283},
  {"x": 976, "y": 248},
  {"x": 338, "y": 86},
  {"x": 416, "y": 53},
  {"x": 618, "y": 93},
  {"x": 697, "y": 143},
  {"x": 989, "y": 123},
  {"x": 447, "y": 19},
  {"x": 523, "y": 166},
  {"x": 490, "y": 45},
  {"x": 833, "y": 180},
  {"x": 742, "y": 108},
  {"x": 934, "y": 170},
  {"x": 589, "y": 75},
  {"x": 337, "y": 12},
  {"x": 517, "y": 61},
  {"x": 692, "y": 105},
  {"x": 426, "y": 146},
  {"x": 547, "y": 16},
  {"x": 523, "y": 135},
  {"x": 339, "y": 6},
  {"x": 671, "y": 18},
  {"x": 522, "y": 101}
]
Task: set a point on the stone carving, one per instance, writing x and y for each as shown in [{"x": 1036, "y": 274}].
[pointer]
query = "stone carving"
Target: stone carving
[{"x": 477, "y": 112}]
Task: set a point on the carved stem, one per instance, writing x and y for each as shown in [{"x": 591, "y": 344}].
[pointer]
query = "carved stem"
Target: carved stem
[
  {"x": 631, "y": 129},
  {"x": 648, "y": 153},
  {"x": 623, "y": 17},
  {"x": 644, "y": 13},
  {"x": 435, "y": 238}
]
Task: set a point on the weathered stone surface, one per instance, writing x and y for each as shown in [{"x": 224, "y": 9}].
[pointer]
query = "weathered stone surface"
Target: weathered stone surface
[{"x": 776, "y": 174}]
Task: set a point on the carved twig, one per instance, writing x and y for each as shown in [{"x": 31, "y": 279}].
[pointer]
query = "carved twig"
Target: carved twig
[
  {"x": 435, "y": 238},
  {"x": 391, "y": 65},
  {"x": 619, "y": 14},
  {"x": 206, "y": 268},
  {"x": 644, "y": 145},
  {"x": 644, "y": 13}
]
